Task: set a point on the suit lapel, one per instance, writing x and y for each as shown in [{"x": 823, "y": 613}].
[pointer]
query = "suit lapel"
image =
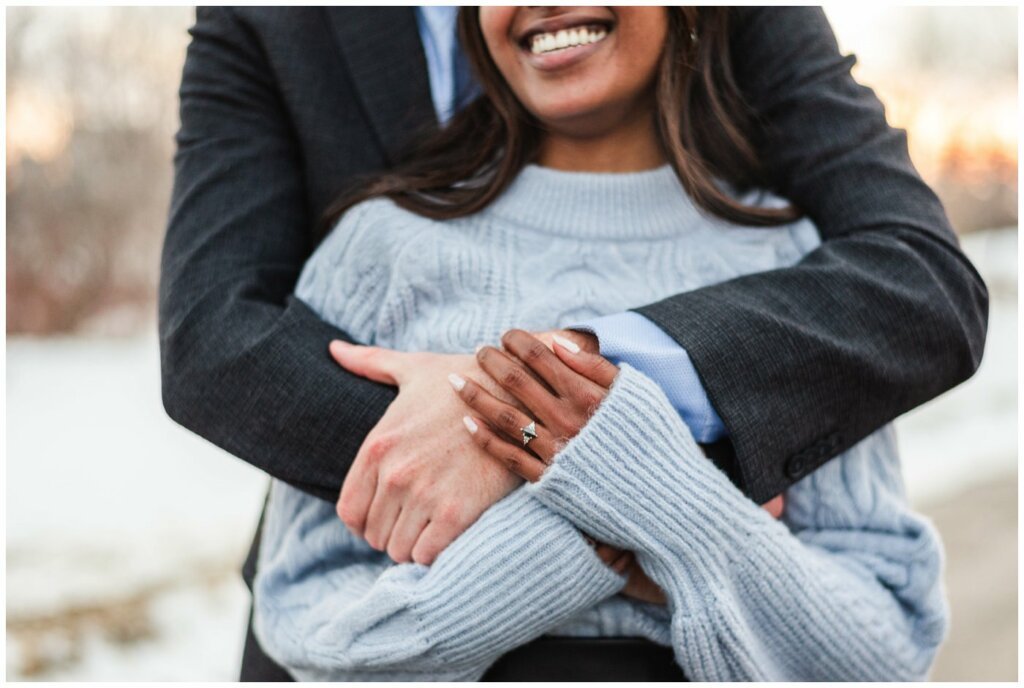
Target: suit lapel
[{"x": 382, "y": 49}]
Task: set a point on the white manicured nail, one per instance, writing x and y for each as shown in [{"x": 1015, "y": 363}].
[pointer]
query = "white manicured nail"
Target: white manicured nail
[
  {"x": 478, "y": 347},
  {"x": 457, "y": 382},
  {"x": 567, "y": 344},
  {"x": 470, "y": 425}
]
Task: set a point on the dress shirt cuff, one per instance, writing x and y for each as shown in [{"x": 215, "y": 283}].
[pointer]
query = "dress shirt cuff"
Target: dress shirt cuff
[{"x": 631, "y": 338}]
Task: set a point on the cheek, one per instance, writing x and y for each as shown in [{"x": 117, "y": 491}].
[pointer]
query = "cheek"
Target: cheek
[
  {"x": 643, "y": 33},
  {"x": 496, "y": 21},
  {"x": 496, "y": 26}
]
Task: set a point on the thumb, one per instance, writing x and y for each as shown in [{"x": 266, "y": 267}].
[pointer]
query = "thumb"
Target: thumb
[{"x": 372, "y": 362}]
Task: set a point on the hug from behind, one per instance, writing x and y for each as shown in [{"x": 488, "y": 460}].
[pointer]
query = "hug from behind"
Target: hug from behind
[
  {"x": 602, "y": 215},
  {"x": 600, "y": 352}
]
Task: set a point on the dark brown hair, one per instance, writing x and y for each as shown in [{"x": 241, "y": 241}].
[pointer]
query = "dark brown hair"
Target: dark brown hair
[{"x": 703, "y": 125}]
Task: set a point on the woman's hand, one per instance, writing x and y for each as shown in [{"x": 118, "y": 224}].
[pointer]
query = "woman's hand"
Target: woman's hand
[
  {"x": 560, "y": 388},
  {"x": 559, "y": 392},
  {"x": 579, "y": 384}
]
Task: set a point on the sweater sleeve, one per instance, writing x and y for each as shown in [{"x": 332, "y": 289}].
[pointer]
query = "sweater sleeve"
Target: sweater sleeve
[
  {"x": 847, "y": 587},
  {"x": 329, "y": 608}
]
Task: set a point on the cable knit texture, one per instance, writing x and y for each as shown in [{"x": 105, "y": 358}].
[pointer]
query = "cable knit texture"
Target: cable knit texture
[{"x": 847, "y": 586}]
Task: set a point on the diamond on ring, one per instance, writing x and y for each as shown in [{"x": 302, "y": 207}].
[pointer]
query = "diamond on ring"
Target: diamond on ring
[{"x": 529, "y": 432}]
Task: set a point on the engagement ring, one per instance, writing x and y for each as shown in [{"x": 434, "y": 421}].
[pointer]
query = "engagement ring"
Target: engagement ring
[{"x": 529, "y": 432}]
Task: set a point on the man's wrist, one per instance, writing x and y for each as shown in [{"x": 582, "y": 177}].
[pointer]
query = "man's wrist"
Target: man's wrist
[{"x": 629, "y": 337}]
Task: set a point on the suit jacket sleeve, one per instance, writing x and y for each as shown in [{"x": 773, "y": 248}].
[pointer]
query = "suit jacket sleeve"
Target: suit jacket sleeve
[
  {"x": 244, "y": 364},
  {"x": 803, "y": 362}
]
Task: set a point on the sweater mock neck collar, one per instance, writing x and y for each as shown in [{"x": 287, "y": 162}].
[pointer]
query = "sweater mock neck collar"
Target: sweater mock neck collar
[{"x": 600, "y": 205}]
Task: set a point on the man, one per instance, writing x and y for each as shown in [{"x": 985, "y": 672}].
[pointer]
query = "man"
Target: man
[{"x": 282, "y": 109}]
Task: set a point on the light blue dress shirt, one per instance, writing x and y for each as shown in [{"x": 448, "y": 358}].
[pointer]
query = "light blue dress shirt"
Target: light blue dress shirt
[
  {"x": 624, "y": 337},
  {"x": 451, "y": 85}
]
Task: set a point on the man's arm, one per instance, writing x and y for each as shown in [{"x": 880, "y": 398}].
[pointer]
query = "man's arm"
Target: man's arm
[
  {"x": 243, "y": 364},
  {"x": 803, "y": 362}
]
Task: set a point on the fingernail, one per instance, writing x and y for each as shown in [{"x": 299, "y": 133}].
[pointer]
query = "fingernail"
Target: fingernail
[
  {"x": 457, "y": 382},
  {"x": 470, "y": 425},
  {"x": 478, "y": 347},
  {"x": 567, "y": 344}
]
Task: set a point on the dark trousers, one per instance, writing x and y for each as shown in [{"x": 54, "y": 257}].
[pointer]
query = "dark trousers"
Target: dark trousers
[{"x": 256, "y": 666}]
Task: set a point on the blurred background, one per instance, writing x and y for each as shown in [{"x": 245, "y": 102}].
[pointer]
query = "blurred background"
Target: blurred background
[{"x": 125, "y": 532}]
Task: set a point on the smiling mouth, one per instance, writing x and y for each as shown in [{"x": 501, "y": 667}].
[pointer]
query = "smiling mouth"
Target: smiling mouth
[{"x": 541, "y": 43}]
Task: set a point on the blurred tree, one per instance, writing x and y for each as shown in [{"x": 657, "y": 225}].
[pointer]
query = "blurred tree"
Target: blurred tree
[{"x": 91, "y": 111}]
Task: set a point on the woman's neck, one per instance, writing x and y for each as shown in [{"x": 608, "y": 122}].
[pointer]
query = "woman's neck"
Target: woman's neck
[{"x": 631, "y": 146}]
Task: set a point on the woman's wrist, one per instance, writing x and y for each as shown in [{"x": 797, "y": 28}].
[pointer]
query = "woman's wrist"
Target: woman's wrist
[
  {"x": 610, "y": 451},
  {"x": 605, "y": 475},
  {"x": 635, "y": 468},
  {"x": 607, "y": 446}
]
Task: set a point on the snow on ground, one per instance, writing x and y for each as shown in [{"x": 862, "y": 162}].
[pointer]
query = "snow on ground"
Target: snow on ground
[
  {"x": 125, "y": 532},
  {"x": 104, "y": 490}
]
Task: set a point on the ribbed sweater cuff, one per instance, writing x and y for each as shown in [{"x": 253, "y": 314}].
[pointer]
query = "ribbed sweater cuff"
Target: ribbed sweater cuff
[
  {"x": 635, "y": 477},
  {"x": 635, "y": 470},
  {"x": 519, "y": 571}
]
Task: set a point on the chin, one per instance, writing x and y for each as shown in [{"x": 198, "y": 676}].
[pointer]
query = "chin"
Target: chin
[
  {"x": 581, "y": 118},
  {"x": 568, "y": 112}
]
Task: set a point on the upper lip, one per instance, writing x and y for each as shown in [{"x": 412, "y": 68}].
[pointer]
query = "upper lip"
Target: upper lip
[{"x": 560, "y": 22}]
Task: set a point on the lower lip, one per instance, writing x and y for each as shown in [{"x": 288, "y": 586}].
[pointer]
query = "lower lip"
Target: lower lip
[{"x": 567, "y": 57}]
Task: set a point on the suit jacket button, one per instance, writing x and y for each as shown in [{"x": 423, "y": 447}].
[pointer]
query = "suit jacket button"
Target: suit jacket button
[{"x": 796, "y": 466}]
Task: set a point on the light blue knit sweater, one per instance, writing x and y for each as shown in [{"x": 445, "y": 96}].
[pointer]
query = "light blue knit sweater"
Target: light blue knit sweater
[{"x": 846, "y": 586}]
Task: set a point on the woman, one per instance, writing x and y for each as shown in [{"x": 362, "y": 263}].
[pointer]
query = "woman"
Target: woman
[{"x": 606, "y": 165}]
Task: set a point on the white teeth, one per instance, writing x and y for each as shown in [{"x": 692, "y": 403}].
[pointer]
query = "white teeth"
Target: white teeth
[{"x": 548, "y": 42}]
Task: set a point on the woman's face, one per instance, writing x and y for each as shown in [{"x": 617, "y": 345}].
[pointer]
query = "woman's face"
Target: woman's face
[{"x": 577, "y": 69}]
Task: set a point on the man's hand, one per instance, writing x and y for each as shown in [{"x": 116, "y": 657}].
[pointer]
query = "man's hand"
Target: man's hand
[{"x": 417, "y": 484}]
